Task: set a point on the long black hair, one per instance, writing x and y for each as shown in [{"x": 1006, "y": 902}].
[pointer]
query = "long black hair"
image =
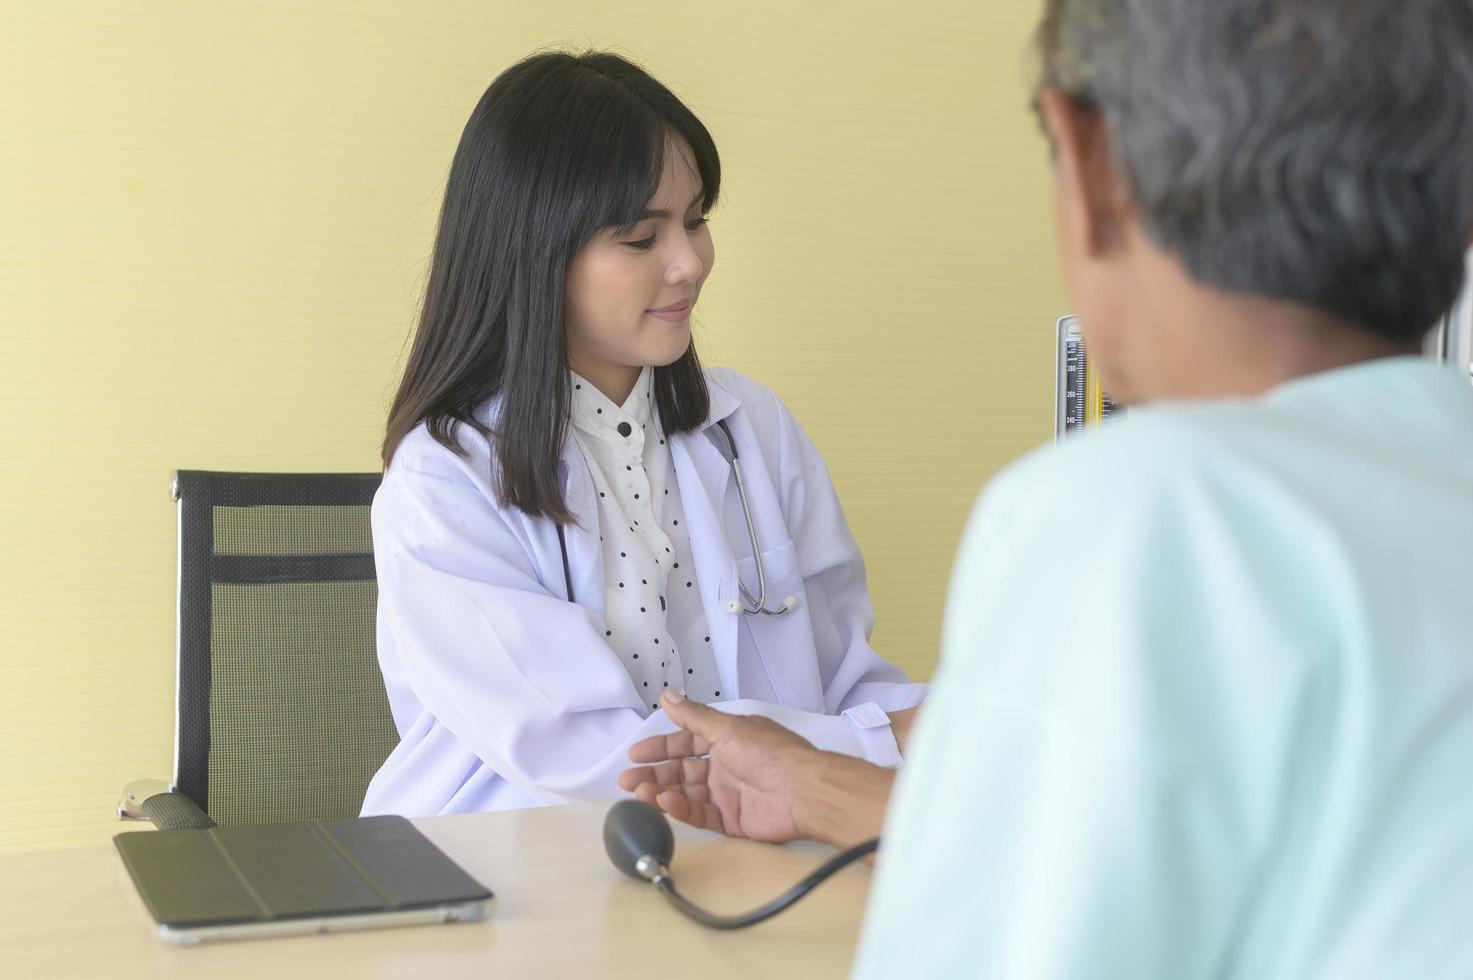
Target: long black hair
[{"x": 560, "y": 147}]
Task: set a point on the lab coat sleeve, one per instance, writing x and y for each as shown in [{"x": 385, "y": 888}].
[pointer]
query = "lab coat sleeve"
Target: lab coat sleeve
[
  {"x": 518, "y": 675},
  {"x": 1083, "y": 794},
  {"x": 834, "y": 581}
]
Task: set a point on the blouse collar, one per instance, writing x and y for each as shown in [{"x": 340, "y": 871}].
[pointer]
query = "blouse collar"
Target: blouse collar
[{"x": 595, "y": 414}]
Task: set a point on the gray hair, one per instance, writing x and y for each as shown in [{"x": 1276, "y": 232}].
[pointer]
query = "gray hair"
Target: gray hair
[{"x": 1312, "y": 150}]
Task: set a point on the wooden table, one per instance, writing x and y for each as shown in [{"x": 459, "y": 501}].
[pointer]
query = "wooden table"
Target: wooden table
[{"x": 561, "y": 910}]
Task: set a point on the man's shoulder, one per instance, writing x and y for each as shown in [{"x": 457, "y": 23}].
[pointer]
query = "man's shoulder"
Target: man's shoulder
[{"x": 1122, "y": 463}]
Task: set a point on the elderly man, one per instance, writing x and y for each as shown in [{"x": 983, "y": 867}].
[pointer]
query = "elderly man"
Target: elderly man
[{"x": 1244, "y": 750}]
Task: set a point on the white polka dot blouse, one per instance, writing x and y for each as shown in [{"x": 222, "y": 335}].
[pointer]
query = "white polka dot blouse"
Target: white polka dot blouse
[{"x": 653, "y": 620}]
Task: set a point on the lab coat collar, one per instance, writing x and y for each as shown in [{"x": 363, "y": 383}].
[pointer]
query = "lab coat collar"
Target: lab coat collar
[
  {"x": 696, "y": 456},
  {"x": 723, "y": 404},
  {"x": 585, "y": 554},
  {"x": 704, "y": 475}
]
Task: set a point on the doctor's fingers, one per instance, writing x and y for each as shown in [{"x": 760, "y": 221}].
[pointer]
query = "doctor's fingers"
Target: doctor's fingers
[{"x": 676, "y": 745}]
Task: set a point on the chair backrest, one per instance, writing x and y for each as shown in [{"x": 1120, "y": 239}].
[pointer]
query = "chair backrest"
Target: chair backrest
[{"x": 282, "y": 713}]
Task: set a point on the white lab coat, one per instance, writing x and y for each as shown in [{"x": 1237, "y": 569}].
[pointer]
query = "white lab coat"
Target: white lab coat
[{"x": 505, "y": 694}]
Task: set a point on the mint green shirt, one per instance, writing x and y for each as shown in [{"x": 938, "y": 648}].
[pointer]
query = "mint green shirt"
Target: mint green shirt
[{"x": 1205, "y": 706}]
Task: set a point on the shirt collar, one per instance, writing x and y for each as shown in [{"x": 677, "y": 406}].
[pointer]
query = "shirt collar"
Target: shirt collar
[{"x": 595, "y": 414}]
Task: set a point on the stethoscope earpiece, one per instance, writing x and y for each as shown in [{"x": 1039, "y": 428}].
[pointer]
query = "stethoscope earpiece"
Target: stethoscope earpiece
[{"x": 735, "y": 606}]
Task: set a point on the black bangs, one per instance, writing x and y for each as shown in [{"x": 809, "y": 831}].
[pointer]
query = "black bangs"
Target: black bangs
[
  {"x": 617, "y": 169},
  {"x": 618, "y": 180},
  {"x": 560, "y": 147}
]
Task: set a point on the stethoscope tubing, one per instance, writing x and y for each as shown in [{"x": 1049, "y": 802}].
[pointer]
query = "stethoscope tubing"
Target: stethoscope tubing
[{"x": 750, "y": 605}]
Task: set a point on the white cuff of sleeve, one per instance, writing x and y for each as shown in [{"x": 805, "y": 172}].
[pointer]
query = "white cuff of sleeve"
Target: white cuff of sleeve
[{"x": 871, "y": 727}]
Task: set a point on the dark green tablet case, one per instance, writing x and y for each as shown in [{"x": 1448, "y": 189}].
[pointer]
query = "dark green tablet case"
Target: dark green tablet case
[{"x": 270, "y": 872}]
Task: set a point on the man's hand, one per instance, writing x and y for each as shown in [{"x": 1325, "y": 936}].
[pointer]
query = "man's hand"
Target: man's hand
[{"x": 727, "y": 773}]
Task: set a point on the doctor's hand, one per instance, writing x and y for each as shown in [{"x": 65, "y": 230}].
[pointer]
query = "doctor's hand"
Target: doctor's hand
[{"x": 728, "y": 773}]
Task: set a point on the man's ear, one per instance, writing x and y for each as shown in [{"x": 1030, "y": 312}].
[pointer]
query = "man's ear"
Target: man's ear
[{"x": 1092, "y": 200}]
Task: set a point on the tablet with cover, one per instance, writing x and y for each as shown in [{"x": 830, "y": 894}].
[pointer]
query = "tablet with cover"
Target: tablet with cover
[{"x": 312, "y": 876}]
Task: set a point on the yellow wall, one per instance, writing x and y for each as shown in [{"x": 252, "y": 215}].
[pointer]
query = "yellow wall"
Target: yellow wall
[{"x": 214, "y": 224}]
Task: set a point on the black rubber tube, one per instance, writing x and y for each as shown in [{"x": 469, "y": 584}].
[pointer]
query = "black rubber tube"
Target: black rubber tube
[{"x": 787, "y": 898}]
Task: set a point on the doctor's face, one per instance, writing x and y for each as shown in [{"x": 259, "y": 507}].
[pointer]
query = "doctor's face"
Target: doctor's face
[{"x": 630, "y": 296}]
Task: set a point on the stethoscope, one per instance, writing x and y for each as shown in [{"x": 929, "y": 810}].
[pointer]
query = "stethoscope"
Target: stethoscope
[{"x": 749, "y": 604}]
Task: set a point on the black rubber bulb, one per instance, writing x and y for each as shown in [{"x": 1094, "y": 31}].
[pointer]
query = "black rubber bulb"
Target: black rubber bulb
[{"x": 633, "y": 830}]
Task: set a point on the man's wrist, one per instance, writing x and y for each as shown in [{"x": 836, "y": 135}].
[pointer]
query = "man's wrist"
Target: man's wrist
[{"x": 836, "y": 798}]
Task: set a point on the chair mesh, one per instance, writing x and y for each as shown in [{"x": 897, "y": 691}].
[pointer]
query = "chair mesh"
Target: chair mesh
[
  {"x": 277, "y": 643},
  {"x": 299, "y": 720},
  {"x": 291, "y": 530}
]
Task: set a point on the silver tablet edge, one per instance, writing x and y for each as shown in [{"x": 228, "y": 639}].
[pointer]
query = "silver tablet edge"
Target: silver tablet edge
[{"x": 462, "y": 912}]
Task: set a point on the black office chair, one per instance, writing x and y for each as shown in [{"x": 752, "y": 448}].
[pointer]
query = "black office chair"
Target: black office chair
[{"x": 282, "y": 713}]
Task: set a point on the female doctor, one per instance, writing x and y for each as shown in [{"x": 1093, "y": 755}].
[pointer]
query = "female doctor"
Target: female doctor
[{"x": 574, "y": 516}]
